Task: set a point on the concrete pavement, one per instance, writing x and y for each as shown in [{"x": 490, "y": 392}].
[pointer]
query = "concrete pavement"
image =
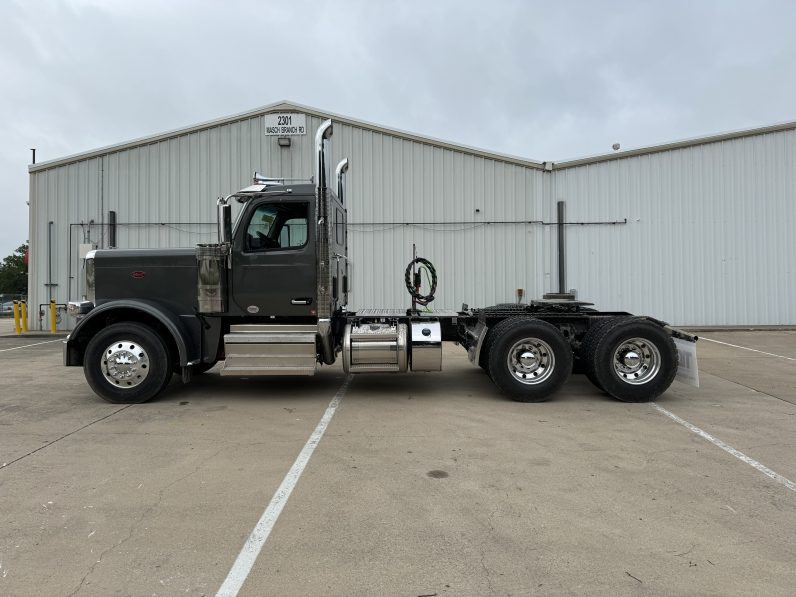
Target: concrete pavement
[{"x": 423, "y": 484}]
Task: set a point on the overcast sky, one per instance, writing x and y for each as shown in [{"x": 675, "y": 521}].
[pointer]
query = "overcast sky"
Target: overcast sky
[{"x": 543, "y": 80}]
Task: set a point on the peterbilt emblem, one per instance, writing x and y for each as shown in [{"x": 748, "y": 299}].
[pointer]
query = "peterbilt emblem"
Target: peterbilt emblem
[
  {"x": 253, "y": 309},
  {"x": 138, "y": 275}
]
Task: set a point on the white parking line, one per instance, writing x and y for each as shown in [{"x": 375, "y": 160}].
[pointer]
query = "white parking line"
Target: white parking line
[
  {"x": 729, "y": 449},
  {"x": 29, "y": 345},
  {"x": 251, "y": 549},
  {"x": 771, "y": 354}
]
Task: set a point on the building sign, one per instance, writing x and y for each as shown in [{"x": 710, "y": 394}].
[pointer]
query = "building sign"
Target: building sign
[{"x": 285, "y": 125}]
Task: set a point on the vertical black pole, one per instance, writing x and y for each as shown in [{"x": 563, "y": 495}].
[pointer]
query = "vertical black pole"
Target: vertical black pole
[
  {"x": 414, "y": 256},
  {"x": 33, "y": 149},
  {"x": 562, "y": 255},
  {"x": 111, "y": 229}
]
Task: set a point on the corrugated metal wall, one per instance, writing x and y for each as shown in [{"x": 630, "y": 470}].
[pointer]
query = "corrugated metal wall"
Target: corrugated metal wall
[
  {"x": 710, "y": 234},
  {"x": 400, "y": 191},
  {"x": 403, "y": 192},
  {"x": 707, "y": 238}
]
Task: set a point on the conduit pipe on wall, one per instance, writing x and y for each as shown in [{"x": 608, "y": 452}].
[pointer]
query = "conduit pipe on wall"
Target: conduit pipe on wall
[{"x": 562, "y": 255}]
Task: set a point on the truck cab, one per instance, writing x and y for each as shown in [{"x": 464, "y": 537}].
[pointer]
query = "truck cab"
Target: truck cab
[
  {"x": 263, "y": 298},
  {"x": 274, "y": 253}
]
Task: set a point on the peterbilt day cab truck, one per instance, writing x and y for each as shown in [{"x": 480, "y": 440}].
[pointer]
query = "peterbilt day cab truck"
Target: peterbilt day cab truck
[{"x": 270, "y": 298}]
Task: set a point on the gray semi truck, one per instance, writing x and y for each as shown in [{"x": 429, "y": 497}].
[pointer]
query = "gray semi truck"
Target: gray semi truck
[{"x": 270, "y": 298}]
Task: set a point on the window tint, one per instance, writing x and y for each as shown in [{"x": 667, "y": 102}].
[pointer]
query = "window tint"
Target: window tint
[{"x": 277, "y": 226}]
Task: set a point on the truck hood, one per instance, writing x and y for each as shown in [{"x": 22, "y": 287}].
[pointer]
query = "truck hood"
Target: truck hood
[
  {"x": 167, "y": 276},
  {"x": 122, "y": 257}
]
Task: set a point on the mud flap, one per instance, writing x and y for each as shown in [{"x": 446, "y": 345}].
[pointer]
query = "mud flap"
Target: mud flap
[{"x": 687, "y": 369}]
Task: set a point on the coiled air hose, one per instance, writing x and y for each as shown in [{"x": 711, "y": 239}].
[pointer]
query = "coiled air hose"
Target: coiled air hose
[{"x": 413, "y": 286}]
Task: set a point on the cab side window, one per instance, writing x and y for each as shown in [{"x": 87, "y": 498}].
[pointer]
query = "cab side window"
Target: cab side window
[{"x": 276, "y": 226}]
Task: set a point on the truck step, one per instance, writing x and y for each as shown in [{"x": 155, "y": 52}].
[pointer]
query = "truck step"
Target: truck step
[
  {"x": 268, "y": 328},
  {"x": 267, "y": 338},
  {"x": 257, "y": 371},
  {"x": 277, "y": 349}
]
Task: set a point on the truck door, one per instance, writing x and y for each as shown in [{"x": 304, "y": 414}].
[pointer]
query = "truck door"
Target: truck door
[{"x": 273, "y": 268}]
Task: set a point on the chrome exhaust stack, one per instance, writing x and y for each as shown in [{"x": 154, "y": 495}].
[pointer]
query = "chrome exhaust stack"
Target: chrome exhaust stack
[
  {"x": 323, "y": 134},
  {"x": 322, "y": 234},
  {"x": 340, "y": 171}
]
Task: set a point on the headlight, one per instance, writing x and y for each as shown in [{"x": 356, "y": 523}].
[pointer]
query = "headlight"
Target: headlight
[{"x": 78, "y": 309}]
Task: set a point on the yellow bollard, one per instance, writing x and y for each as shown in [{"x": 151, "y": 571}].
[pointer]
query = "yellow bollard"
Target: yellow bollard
[
  {"x": 52, "y": 316},
  {"x": 16, "y": 317},
  {"x": 23, "y": 315}
]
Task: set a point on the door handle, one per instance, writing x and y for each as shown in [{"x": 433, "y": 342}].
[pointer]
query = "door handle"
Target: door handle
[{"x": 300, "y": 301}]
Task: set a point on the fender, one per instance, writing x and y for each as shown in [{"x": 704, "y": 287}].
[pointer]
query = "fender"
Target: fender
[{"x": 74, "y": 348}]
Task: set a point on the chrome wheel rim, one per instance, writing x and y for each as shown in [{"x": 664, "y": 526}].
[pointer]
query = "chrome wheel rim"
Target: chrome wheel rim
[
  {"x": 531, "y": 361},
  {"x": 636, "y": 361},
  {"x": 125, "y": 364}
]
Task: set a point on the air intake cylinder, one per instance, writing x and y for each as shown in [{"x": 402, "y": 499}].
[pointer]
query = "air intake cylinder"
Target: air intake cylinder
[{"x": 211, "y": 283}]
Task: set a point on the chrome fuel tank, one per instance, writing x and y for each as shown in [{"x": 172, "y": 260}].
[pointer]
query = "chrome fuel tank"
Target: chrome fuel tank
[{"x": 375, "y": 348}]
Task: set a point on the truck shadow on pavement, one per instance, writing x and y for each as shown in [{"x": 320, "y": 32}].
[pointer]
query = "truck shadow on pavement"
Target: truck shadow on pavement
[
  {"x": 212, "y": 387},
  {"x": 468, "y": 383}
]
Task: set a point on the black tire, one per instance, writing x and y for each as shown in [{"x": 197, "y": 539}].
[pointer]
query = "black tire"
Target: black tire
[
  {"x": 585, "y": 355},
  {"x": 649, "y": 368},
  {"x": 492, "y": 333},
  {"x": 536, "y": 377},
  {"x": 512, "y": 309},
  {"x": 129, "y": 382}
]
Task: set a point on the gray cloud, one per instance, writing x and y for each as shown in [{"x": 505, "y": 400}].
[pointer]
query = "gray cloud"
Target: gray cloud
[{"x": 537, "y": 79}]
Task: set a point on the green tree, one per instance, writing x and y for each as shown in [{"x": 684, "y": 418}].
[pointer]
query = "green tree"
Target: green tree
[{"x": 14, "y": 272}]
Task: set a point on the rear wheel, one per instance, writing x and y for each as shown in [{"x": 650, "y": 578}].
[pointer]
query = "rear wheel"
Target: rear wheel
[
  {"x": 528, "y": 359},
  {"x": 127, "y": 363},
  {"x": 492, "y": 333},
  {"x": 584, "y": 358},
  {"x": 632, "y": 359}
]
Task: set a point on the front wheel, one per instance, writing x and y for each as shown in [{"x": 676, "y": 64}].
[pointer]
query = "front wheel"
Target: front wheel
[
  {"x": 529, "y": 359},
  {"x": 127, "y": 363},
  {"x": 633, "y": 360}
]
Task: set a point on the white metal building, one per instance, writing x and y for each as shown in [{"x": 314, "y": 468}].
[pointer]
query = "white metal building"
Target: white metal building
[{"x": 697, "y": 232}]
